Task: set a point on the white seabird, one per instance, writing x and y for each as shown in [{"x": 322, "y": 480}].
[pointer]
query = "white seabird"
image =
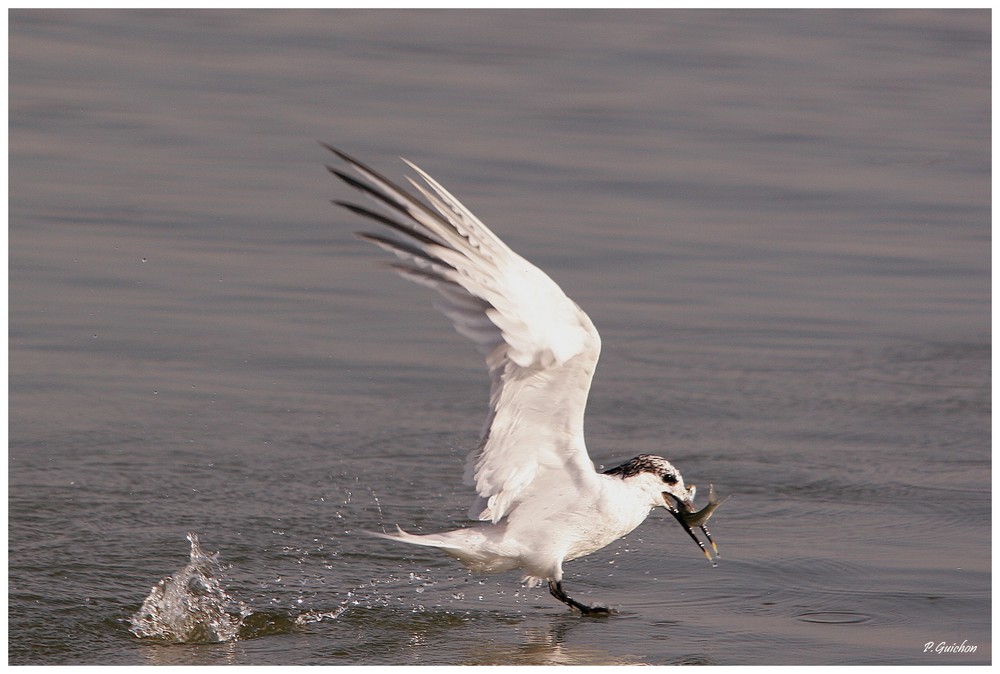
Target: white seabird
[{"x": 539, "y": 502}]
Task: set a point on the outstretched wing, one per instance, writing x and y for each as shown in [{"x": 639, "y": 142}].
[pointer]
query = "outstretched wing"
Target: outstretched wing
[{"x": 540, "y": 347}]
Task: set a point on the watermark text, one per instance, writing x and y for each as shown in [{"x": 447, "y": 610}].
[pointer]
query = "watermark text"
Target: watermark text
[{"x": 942, "y": 647}]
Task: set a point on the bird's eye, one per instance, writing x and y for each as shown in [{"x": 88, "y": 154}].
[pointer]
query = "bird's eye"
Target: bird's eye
[{"x": 670, "y": 478}]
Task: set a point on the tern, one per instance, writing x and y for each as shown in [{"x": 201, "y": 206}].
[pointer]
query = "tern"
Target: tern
[{"x": 539, "y": 500}]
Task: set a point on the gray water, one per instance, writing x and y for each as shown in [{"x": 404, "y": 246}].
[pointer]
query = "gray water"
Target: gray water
[{"x": 779, "y": 221}]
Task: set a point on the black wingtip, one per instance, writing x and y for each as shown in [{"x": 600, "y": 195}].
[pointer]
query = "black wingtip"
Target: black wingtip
[
  {"x": 343, "y": 155},
  {"x": 334, "y": 150},
  {"x": 355, "y": 183},
  {"x": 409, "y": 231}
]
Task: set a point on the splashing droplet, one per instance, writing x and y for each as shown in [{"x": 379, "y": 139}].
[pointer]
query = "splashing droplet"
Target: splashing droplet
[{"x": 191, "y": 606}]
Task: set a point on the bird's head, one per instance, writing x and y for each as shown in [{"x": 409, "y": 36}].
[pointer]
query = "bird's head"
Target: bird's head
[
  {"x": 664, "y": 484},
  {"x": 658, "y": 478}
]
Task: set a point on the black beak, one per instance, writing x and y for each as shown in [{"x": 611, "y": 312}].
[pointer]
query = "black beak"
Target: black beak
[{"x": 683, "y": 512}]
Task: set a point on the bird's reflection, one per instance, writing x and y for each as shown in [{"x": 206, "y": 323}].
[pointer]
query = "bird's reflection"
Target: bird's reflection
[{"x": 546, "y": 644}]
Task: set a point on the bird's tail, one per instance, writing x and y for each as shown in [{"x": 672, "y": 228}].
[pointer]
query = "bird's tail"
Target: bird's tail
[
  {"x": 430, "y": 540},
  {"x": 474, "y": 547}
]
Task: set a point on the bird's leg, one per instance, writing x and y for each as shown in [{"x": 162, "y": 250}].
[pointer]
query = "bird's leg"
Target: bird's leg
[{"x": 555, "y": 588}]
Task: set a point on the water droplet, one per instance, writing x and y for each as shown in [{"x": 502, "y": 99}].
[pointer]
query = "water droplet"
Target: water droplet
[{"x": 191, "y": 606}]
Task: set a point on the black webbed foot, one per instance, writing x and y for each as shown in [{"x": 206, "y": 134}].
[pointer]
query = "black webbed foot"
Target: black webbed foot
[{"x": 556, "y": 590}]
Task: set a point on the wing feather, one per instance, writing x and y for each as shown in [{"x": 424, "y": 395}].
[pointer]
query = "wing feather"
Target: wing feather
[{"x": 541, "y": 348}]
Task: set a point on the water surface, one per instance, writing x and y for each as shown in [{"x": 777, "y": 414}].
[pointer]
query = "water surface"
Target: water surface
[{"x": 779, "y": 221}]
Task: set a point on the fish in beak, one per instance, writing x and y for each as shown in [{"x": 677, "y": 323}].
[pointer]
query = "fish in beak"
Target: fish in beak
[{"x": 688, "y": 517}]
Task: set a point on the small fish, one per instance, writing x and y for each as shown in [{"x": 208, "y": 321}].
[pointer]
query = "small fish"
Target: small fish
[{"x": 698, "y": 518}]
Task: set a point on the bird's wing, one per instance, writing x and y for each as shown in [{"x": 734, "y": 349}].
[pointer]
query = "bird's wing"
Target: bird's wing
[{"x": 540, "y": 347}]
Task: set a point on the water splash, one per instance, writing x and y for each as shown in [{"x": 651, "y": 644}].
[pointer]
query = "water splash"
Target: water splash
[{"x": 191, "y": 606}]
